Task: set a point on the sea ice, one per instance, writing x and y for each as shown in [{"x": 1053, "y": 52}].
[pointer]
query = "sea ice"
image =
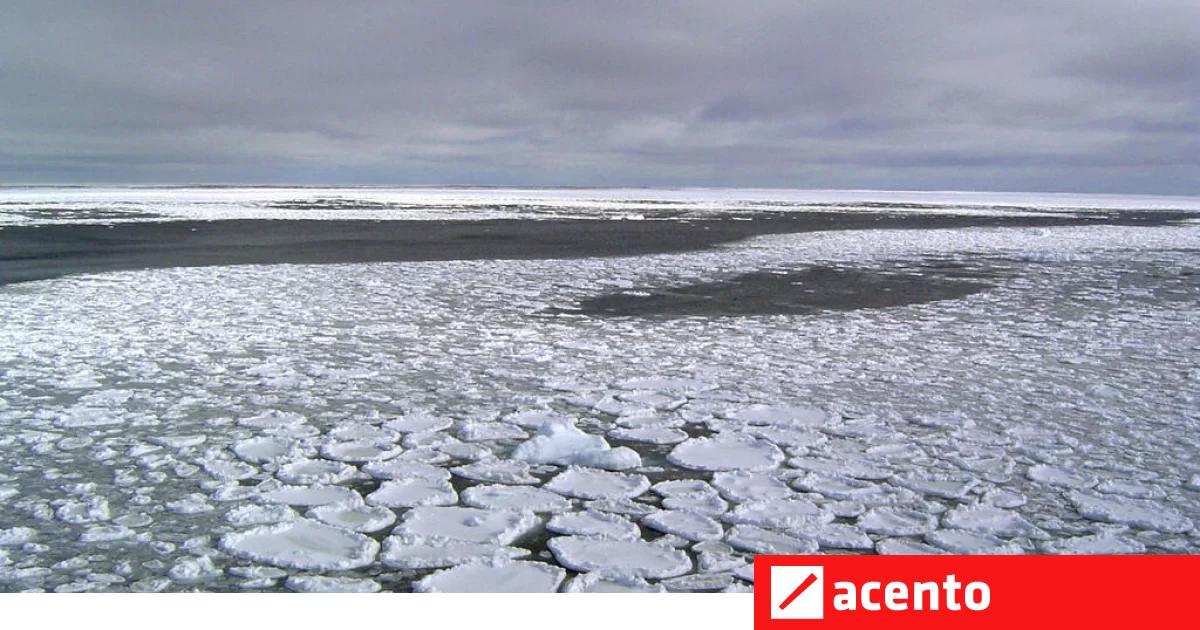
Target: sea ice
[
  {"x": 562, "y": 443},
  {"x": 357, "y": 518},
  {"x": 397, "y": 493},
  {"x": 736, "y": 451},
  {"x": 264, "y": 449},
  {"x": 358, "y": 452},
  {"x": 894, "y": 521},
  {"x": 779, "y": 514},
  {"x": 1058, "y": 477},
  {"x": 496, "y": 471},
  {"x": 303, "y": 544},
  {"x": 839, "y": 536},
  {"x": 764, "y": 541},
  {"x": 963, "y": 541},
  {"x": 499, "y": 527},
  {"x": 500, "y": 497},
  {"x": 746, "y": 486},
  {"x": 406, "y": 551},
  {"x": 781, "y": 415},
  {"x": 619, "y": 557},
  {"x": 685, "y": 524},
  {"x": 1141, "y": 513},
  {"x": 494, "y": 576},
  {"x": 595, "y": 524},
  {"x": 315, "y": 471},
  {"x": 587, "y": 483},
  {"x": 398, "y": 469},
  {"x": 598, "y": 583},
  {"x": 1096, "y": 544},
  {"x": 310, "y": 496},
  {"x": 419, "y": 423},
  {"x": 324, "y": 584},
  {"x": 649, "y": 435},
  {"x": 991, "y": 520}
]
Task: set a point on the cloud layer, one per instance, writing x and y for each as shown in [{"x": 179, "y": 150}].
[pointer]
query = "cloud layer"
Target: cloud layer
[{"x": 1091, "y": 96}]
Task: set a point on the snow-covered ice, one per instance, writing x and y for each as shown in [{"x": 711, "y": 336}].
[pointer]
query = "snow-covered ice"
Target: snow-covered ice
[
  {"x": 502, "y": 576},
  {"x": 619, "y": 557},
  {"x": 1053, "y": 412},
  {"x": 303, "y": 544}
]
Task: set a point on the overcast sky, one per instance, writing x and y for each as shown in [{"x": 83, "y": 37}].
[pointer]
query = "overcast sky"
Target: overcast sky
[{"x": 1094, "y": 95}]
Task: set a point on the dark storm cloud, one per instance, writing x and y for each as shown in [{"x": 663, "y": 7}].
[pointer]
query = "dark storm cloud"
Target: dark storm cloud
[{"x": 1098, "y": 95}]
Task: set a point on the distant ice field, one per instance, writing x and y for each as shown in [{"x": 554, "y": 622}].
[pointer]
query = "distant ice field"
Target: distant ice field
[
  {"x": 57, "y": 205},
  {"x": 449, "y": 426}
]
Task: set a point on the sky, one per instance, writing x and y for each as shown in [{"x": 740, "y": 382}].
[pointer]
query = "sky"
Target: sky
[{"x": 1087, "y": 96}]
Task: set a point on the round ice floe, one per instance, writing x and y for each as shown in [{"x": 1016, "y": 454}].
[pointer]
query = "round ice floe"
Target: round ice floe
[
  {"x": 494, "y": 576},
  {"x": 228, "y": 470},
  {"x": 587, "y": 483},
  {"x": 781, "y": 415},
  {"x": 466, "y": 451},
  {"x": 315, "y": 471},
  {"x": 1059, "y": 477},
  {"x": 406, "y": 551},
  {"x": 955, "y": 487},
  {"x": 468, "y": 524},
  {"x": 1096, "y": 544},
  {"x": 840, "y": 488},
  {"x": 399, "y": 493},
  {"x": 667, "y": 384},
  {"x": 194, "y": 503},
  {"x": 358, "y": 518},
  {"x": 840, "y": 536},
  {"x": 746, "y": 486},
  {"x": 363, "y": 433},
  {"x": 246, "y": 515},
  {"x": 265, "y": 449},
  {"x": 690, "y": 525},
  {"x": 487, "y": 431},
  {"x": 310, "y": 496},
  {"x": 619, "y": 557},
  {"x": 534, "y": 418},
  {"x": 419, "y": 423},
  {"x": 726, "y": 452},
  {"x": 598, "y": 583},
  {"x": 358, "y": 452},
  {"x": 563, "y": 444},
  {"x": 779, "y": 514},
  {"x": 597, "y": 524},
  {"x": 1130, "y": 488},
  {"x": 905, "y": 547},
  {"x": 498, "y": 497},
  {"x": 14, "y": 536},
  {"x": 649, "y": 435},
  {"x": 841, "y": 467},
  {"x": 962, "y": 541},
  {"x": 991, "y": 520},
  {"x": 303, "y": 544},
  {"x": 105, "y": 533},
  {"x": 398, "y": 469},
  {"x": 273, "y": 419},
  {"x": 764, "y": 541},
  {"x": 1126, "y": 511},
  {"x": 323, "y": 584},
  {"x": 496, "y": 471},
  {"x": 628, "y": 507},
  {"x": 893, "y": 521},
  {"x": 796, "y": 438}
]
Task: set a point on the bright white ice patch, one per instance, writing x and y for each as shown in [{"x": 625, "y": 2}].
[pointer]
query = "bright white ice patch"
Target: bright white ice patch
[
  {"x": 303, "y": 544},
  {"x": 619, "y": 557}
]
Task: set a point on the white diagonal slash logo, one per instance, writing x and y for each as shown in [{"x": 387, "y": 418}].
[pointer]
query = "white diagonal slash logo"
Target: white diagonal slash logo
[{"x": 797, "y": 592}]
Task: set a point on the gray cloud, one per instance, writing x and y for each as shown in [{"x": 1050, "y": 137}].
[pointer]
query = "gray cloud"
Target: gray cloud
[{"x": 1098, "y": 95}]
